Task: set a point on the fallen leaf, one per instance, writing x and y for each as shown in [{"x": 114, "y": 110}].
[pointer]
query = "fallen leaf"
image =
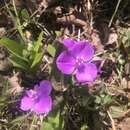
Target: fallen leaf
[{"x": 16, "y": 88}]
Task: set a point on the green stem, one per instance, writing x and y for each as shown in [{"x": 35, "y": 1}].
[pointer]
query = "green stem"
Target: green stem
[
  {"x": 117, "y": 6},
  {"x": 19, "y": 26},
  {"x": 33, "y": 121}
]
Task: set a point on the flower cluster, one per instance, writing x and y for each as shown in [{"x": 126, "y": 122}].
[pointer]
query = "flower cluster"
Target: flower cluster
[
  {"x": 38, "y": 100},
  {"x": 77, "y": 60}
]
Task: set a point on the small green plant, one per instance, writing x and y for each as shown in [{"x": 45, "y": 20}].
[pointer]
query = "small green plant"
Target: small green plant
[{"x": 22, "y": 56}]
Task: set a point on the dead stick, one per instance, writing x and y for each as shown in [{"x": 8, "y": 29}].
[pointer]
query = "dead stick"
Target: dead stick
[
  {"x": 112, "y": 121},
  {"x": 71, "y": 19}
]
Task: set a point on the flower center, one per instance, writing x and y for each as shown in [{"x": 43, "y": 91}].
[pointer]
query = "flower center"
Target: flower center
[
  {"x": 80, "y": 60},
  {"x": 32, "y": 95}
]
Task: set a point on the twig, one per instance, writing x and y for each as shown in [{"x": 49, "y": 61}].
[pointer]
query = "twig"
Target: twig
[
  {"x": 125, "y": 113},
  {"x": 71, "y": 19},
  {"x": 112, "y": 121},
  {"x": 79, "y": 31},
  {"x": 117, "y": 6}
]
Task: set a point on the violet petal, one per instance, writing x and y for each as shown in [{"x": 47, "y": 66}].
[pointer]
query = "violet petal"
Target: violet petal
[
  {"x": 26, "y": 103},
  {"x": 68, "y": 42},
  {"x": 82, "y": 49},
  {"x": 86, "y": 72},
  {"x": 43, "y": 105},
  {"x": 66, "y": 63},
  {"x": 43, "y": 88}
]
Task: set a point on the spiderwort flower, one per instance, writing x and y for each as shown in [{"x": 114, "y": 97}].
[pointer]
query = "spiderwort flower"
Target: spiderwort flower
[
  {"x": 38, "y": 100},
  {"x": 77, "y": 60}
]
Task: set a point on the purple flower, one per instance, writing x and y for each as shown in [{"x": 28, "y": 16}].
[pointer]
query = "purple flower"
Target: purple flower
[
  {"x": 77, "y": 60},
  {"x": 38, "y": 100}
]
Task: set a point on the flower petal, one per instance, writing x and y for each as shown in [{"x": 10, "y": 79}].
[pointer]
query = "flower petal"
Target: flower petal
[
  {"x": 26, "y": 103},
  {"x": 68, "y": 42},
  {"x": 66, "y": 63},
  {"x": 86, "y": 72},
  {"x": 43, "y": 105},
  {"x": 84, "y": 49},
  {"x": 30, "y": 93},
  {"x": 43, "y": 88}
]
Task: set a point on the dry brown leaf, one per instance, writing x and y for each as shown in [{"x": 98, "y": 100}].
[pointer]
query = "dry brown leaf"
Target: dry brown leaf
[
  {"x": 96, "y": 40},
  {"x": 125, "y": 125},
  {"x": 15, "y": 87},
  {"x": 2, "y": 31},
  {"x": 112, "y": 38},
  {"x": 44, "y": 3},
  {"x": 4, "y": 65}
]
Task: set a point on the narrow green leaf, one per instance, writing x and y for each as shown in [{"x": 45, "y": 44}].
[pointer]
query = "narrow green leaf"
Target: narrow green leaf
[
  {"x": 38, "y": 43},
  {"x": 84, "y": 127},
  {"x": 108, "y": 99},
  {"x": 19, "y": 118},
  {"x": 3, "y": 101},
  {"x": 51, "y": 50},
  {"x": 25, "y": 14},
  {"x": 37, "y": 59},
  {"x": 55, "y": 122},
  {"x": 47, "y": 126},
  {"x": 19, "y": 63},
  {"x": 15, "y": 18},
  {"x": 117, "y": 111},
  {"x": 128, "y": 34},
  {"x": 98, "y": 100},
  {"x": 54, "y": 119},
  {"x": 12, "y": 46},
  {"x": 58, "y": 33}
]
